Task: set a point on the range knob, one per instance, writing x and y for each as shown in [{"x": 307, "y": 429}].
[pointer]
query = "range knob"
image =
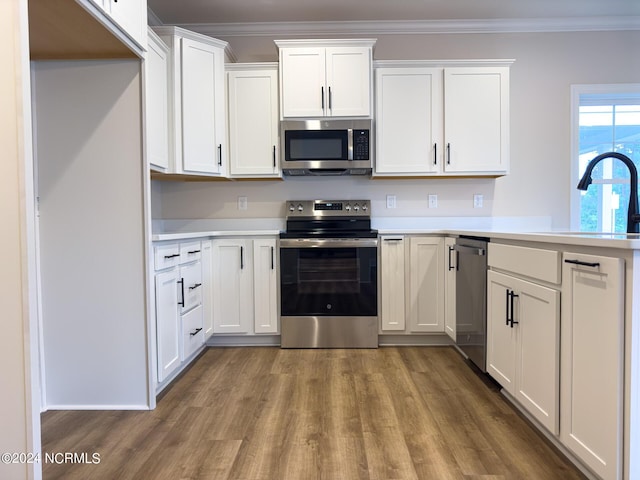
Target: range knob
[
  {"x": 347, "y": 207},
  {"x": 356, "y": 207},
  {"x": 300, "y": 207},
  {"x": 291, "y": 207},
  {"x": 364, "y": 207}
]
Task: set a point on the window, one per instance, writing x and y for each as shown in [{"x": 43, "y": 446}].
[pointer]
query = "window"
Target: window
[{"x": 606, "y": 118}]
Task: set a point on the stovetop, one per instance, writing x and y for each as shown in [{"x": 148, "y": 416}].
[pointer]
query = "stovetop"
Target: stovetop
[{"x": 324, "y": 219}]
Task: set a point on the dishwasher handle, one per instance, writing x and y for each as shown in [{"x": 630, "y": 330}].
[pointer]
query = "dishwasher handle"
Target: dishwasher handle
[{"x": 481, "y": 252}]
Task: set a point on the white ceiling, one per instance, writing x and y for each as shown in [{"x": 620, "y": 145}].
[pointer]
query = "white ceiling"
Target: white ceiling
[{"x": 185, "y": 12}]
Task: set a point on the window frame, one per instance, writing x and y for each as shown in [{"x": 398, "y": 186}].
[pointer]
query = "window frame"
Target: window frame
[{"x": 631, "y": 89}]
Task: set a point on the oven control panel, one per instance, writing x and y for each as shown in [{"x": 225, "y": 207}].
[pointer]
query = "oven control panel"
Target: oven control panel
[{"x": 328, "y": 208}]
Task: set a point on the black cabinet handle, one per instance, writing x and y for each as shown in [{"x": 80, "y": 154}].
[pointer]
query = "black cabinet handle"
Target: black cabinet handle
[
  {"x": 583, "y": 264},
  {"x": 241, "y": 258},
  {"x": 322, "y": 96},
  {"x": 194, "y": 286},
  {"x": 195, "y": 332},
  {"x": 510, "y": 296},
  {"x": 330, "y": 98},
  {"x": 272, "y": 258},
  {"x": 274, "y": 156},
  {"x": 181, "y": 282},
  {"x": 451, "y": 267},
  {"x": 448, "y": 154},
  {"x": 172, "y": 256},
  {"x": 193, "y": 252},
  {"x": 435, "y": 153},
  {"x": 220, "y": 155},
  {"x": 506, "y": 310}
]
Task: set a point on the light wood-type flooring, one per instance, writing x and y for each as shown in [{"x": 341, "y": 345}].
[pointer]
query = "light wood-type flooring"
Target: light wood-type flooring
[{"x": 265, "y": 413}]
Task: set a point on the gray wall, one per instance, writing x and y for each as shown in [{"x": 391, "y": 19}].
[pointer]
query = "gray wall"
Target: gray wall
[{"x": 539, "y": 184}]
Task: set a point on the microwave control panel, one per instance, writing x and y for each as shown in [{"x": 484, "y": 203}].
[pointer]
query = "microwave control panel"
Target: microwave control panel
[{"x": 361, "y": 144}]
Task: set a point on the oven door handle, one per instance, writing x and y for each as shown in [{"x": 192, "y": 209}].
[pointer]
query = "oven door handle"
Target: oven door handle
[{"x": 328, "y": 242}]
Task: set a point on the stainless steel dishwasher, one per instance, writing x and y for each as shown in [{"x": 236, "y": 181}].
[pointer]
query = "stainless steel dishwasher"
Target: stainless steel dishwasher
[{"x": 471, "y": 298}]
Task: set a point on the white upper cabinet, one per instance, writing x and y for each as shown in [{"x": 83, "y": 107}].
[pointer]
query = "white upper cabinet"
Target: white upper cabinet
[
  {"x": 253, "y": 120},
  {"x": 325, "y": 78},
  {"x": 441, "y": 120},
  {"x": 156, "y": 97},
  {"x": 408, "y": 120},
  {"x": 129, "y": 16},
  {"x": 476, "y": 120},
  {"x": 197, "y": 100}
]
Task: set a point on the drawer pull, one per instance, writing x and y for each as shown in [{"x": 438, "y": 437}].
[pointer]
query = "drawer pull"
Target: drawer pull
[
  {"x": 194, "y": 286},
  {"x": 171, "y": 256},
  {"x": 195, "y": 332},
  {"x": 181, "y": 282},
  {"x": 583, "y": 264},
  {"x": 193, "y": 252}
]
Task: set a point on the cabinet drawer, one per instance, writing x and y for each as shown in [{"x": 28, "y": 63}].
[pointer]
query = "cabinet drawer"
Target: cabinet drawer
[
  {"x": 190, "y": 290},
  {"x": 166, "y": 255},
  {"x": 531, "y": 262},
  {"x": 192, "y": 332},
  {"x": 190, "y": 251}
]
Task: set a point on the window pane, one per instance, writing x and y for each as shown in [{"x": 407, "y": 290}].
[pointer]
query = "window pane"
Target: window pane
[{"x": 613, "y": 127}]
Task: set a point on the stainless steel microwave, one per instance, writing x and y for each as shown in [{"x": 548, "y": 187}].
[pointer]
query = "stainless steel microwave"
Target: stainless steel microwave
[{"x": 326, "y": 147}]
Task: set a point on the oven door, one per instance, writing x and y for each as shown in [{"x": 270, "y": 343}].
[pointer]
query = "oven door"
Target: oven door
[{"x": 329, "y": 277}]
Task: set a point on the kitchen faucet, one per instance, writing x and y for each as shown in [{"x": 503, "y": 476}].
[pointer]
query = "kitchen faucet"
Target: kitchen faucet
[{"x": 633, "y": 218}]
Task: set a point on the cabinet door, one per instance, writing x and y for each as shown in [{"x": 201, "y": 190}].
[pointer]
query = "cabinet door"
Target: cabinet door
[
  {"x": 450, "y": 288},
  {"x": 265, "y": 281},
  {"x": 348, "y": 81},
  {"x": 253, "y": 122},
  {"x": 190, "y": 286},
  {"x": 408, "y": 120},
  {"x": 131, "y": 15},
  {"x": 207, "y": 288},
  {"x": 426, "y": 284},
  {"x": 592, "y": 361},
  {"x": 303, "y": 82},
  {"x": 537, "y": 311},
  {"x": 192, "y": 332},
  {"x": 201, "y": 149},
  {"x": 156, "y": 66},
  {"x": 167, "y": 323},
  {"x": 392, "y": 279},
  {"x": 476, "y": 120},
  {"x": 501, "y": 337},
  {"x": 232, "y": 286}
]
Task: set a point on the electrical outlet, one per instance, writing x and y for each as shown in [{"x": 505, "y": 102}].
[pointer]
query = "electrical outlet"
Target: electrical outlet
[
  {"x": 242, "y": 203},
  {"x": 433, "y": 201},
  {"x": 391, "y": 201},
  {"x": 478, "y": 199}
]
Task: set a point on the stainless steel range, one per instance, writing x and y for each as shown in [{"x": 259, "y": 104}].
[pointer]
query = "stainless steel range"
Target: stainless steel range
[{"x": 328, "y": 275}]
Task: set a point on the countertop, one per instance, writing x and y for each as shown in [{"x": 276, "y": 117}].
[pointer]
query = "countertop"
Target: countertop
[{"x": 493, "y": 229}]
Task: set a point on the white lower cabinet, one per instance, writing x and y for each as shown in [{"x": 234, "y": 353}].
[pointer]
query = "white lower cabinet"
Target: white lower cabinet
[
  {"x": 245, "y": 285},
  {"x": 392, "y": 283},
  {"x": 265, "y": 286},
  {"x": 179, "y": 288},
  {"x": 426, "y": 284},
  {"x": 450, "y": 266},
  {"x": 523, "y": 344},
  {"x": 412, "y": 284},
  {"x": 592, "y": 361},
  {"x": 167, "y": 323}
]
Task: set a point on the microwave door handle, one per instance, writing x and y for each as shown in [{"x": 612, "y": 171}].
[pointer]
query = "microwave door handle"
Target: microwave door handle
[{"x": 350, "y": 144}]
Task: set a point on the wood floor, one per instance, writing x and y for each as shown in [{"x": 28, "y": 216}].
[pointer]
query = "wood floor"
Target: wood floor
[{"x": 266, "y": 413}]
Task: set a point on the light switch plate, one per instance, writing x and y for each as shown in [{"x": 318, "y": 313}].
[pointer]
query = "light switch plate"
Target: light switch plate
[
  {"x": 242, "y": 203},
  {"x": 478, "y": 200},
  {"x": 433, "y": 201}
]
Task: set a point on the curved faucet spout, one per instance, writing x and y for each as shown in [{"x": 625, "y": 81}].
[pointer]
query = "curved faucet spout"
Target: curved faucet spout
[{"x": 633, "y": 218}]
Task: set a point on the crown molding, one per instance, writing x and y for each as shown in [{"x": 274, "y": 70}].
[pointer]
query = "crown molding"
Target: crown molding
[{"x": 384, "y": 27}]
